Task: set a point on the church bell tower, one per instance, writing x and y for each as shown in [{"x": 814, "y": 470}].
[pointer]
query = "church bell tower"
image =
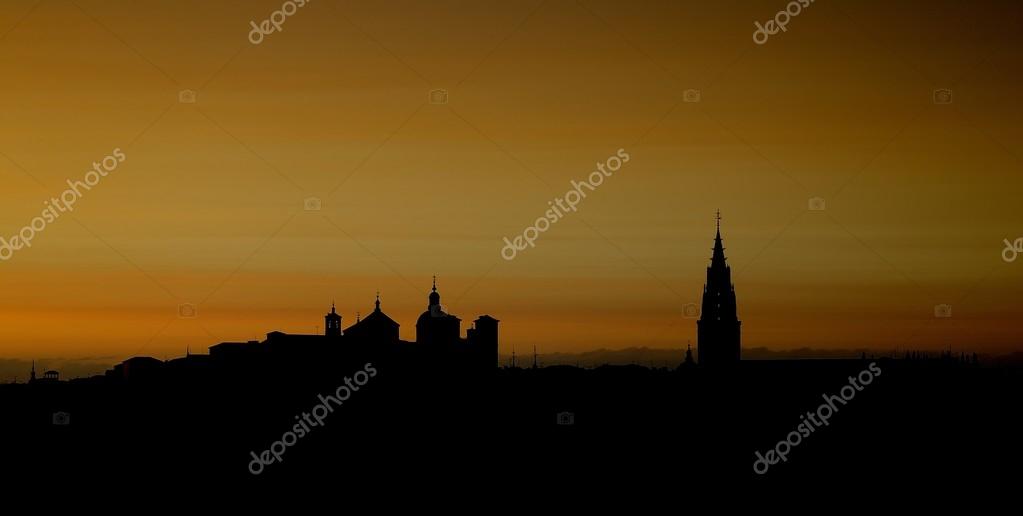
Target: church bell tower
[
  {"x": 332, "y": 323},
  {"x": 718, "y": 327}
]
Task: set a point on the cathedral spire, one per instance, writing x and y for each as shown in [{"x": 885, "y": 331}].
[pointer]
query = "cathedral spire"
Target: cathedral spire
[
  {"x": 718, "y": 329},
  {"x": 718, "y": 259}
]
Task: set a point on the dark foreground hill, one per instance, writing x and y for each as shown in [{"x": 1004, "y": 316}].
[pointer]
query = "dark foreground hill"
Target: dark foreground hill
[{"x": 916, "y": 421}]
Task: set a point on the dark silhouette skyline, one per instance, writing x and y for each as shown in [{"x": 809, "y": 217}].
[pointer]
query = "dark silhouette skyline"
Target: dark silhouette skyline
[
  {"x": 287, "y": 407},
  {"x": 438, "y": 336},
  {"x": 188, "y": 192}
]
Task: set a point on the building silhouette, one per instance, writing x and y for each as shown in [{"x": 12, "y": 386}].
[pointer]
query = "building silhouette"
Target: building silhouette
[
  {"x": 50, "y": 376},
  {"x": 376, "y": 327},
  {"x": 435, "y": 327},
  {"x": 717, "y": 331},
  {"x": 438, "y": 341},
  {"x": 332, "y": 323},
  {"x": 688, "y": 362}
]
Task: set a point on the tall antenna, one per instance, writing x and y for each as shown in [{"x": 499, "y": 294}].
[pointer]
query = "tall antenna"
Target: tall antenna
[{"x": 534, "y": 356}]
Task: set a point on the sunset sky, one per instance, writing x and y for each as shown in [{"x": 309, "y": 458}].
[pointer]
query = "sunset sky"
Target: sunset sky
[{"x": 208, "y": 205}]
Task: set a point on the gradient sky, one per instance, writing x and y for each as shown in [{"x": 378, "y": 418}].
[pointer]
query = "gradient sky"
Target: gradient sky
[{"x": 208, "y": 206}]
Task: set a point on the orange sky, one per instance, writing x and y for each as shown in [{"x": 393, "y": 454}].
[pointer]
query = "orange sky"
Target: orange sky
[{"x": 207, "y": 207}]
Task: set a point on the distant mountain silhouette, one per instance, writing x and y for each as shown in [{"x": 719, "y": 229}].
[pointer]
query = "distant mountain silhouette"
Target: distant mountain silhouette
[{"x": 670, "y": 357}]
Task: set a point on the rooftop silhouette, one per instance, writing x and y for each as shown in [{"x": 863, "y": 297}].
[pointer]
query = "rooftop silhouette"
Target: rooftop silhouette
[{"x": 444, "y": 397}]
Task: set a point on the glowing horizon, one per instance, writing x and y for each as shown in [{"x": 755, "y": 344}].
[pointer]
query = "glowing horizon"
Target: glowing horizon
[{"x": 209, "y": 205}]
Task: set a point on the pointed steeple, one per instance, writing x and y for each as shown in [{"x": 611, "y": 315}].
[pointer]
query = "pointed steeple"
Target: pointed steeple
[
  {"x": 718, "y": 329},
  {"x": 718, "y": 259}
]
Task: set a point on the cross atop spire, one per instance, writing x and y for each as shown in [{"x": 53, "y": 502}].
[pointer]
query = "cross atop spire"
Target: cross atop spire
[
  {"x": 719, "y": 326},
  {"x": 718, "y": 258},
  {"x": 434, "y": 296}
]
